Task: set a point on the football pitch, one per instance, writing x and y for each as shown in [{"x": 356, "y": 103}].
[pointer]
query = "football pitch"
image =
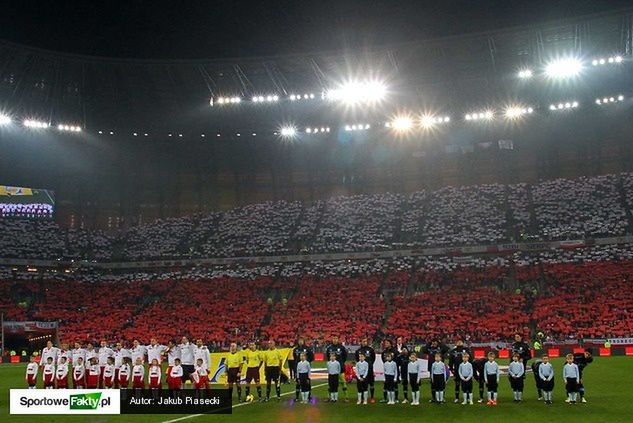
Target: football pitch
[{"x": 607, "y": 382}]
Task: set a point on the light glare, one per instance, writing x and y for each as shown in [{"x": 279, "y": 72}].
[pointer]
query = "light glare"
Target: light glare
[
  {"x": 358, "y": 92},
  {"x": 563, "y": 68}
]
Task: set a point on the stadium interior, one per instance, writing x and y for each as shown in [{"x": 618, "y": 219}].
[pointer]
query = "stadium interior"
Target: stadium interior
[
  {"x": 481, "y": 182},
  {"x": 500, "y": 186}
]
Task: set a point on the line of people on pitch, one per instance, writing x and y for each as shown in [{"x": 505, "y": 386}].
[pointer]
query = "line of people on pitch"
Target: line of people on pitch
[
  {"x": 403, "y": 368},
  {"x": 121, "y": 367},
  {"x": 488, "y": 375}
]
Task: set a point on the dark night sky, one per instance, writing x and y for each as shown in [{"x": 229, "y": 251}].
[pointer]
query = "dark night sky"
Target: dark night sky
[{"x": 220, "y": 28}]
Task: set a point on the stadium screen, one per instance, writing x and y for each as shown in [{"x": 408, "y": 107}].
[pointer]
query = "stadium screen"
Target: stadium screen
[{"x": 26, "y": 203}]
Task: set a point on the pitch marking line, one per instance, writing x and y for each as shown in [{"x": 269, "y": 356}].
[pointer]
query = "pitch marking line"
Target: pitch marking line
[{"x": 234, "y": 406}]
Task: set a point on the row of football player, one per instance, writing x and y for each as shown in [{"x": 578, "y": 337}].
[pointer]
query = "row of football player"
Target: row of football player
[
  {"x": 92, "y": 376},
  {"x": 106, "y": 363}
]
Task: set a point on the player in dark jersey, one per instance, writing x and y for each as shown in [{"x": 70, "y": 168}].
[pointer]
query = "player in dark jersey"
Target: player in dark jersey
[
  {"x": 300, "y": 348},
  {"x": 537, "y": 379},
  {"x": 432, "y": 348},
  {"x": 340, "y": 353},
  {"x": 478, "y": 369},
  {"x": 454, "y": 360},
  {"x": 370, "y": 357},
  {"x": 522, "y": 348},
  {"x": 403, "y": 365},
  {"x": 582, "y": 360}
]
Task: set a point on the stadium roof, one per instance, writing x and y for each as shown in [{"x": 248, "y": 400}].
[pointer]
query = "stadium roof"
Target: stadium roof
[{"x": 136, "y": 93}]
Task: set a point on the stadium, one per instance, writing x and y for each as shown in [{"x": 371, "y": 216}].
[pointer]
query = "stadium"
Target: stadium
[{"x": 210, "y": 213}]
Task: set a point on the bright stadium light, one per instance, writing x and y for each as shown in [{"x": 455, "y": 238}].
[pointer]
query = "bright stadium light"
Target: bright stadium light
[
  {"x": 357, "y": 127},
  {"x": 297, "y": 97},
  {"x": 609, "y": 60},
  {"x": 564, "y": 106},
  {"x": 428, "y": 121},
  {"x": 610, "y": 100},
  {"x": 483, "y": 115},
  {"x": 515, "y": 112},
  {"x": 68, "y": 128},
  {"x": 525, "y": 74},
  {"x": 317, "y": 130},
  {"x": 226, "y": 100},
  {"x": 356, "y": 92},
  {"x": 4, "y": 119},
  {"x": 401, "y": 124},
  {"x": 288, "y": 131},
  {"x": 563, "y": 68},
  {"x": 30, "y": 123}
]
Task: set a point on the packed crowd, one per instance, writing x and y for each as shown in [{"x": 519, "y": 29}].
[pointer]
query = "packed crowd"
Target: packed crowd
[
  {"x": 452, "y": 216},
  {"x": 473, "y": 298}
]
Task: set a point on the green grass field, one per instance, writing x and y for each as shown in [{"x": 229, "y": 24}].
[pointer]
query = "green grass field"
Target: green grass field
[{"x": 607, "y": 380}]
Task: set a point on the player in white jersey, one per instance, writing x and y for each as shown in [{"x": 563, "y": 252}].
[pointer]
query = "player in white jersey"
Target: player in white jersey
[
  {"x": 202, "y": 352},
  {"x": 187, "y": 359},
  {"x": 49, "y": 351},
  {"x": 155, "y": 351},
  {"x": 90, "y": 353},
  {"x": 76, "y": 353},
  {"x": 173, "y": 353},
  {"x": 119, "y": 354},
  {"x": 137, "y": 351},
  {"x": 65, "y": 352},
  {"x": 105, "y": 352}
]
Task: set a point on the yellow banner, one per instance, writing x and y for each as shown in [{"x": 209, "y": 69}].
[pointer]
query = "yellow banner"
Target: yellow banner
[
  {"x": 15, "y": 191},
  {"x": 218, "y": 366}
]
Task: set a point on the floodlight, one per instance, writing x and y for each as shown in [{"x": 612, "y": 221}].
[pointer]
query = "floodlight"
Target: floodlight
[
  {"x": 288, "y": 131},
  {"x": 515, "y": 112},
  {"x": 565, "y": 106},
  {"x": 358, "y": 92},
  {"x": 402, "y": 123},
  {"x": 428, "y": 121},
  {"x": 30, "y": 123},
  {"x": 525, "y": 73},
  {"x": 607, "y": 100},
  {"x": 563, "y": 68}
]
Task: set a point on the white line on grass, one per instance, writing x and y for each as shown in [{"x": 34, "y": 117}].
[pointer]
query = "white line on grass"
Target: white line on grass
[{"x": 234, "y": 406}]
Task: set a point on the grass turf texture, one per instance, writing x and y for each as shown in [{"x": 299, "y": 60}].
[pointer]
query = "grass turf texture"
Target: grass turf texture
[{"x": 607, "y": 381}]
